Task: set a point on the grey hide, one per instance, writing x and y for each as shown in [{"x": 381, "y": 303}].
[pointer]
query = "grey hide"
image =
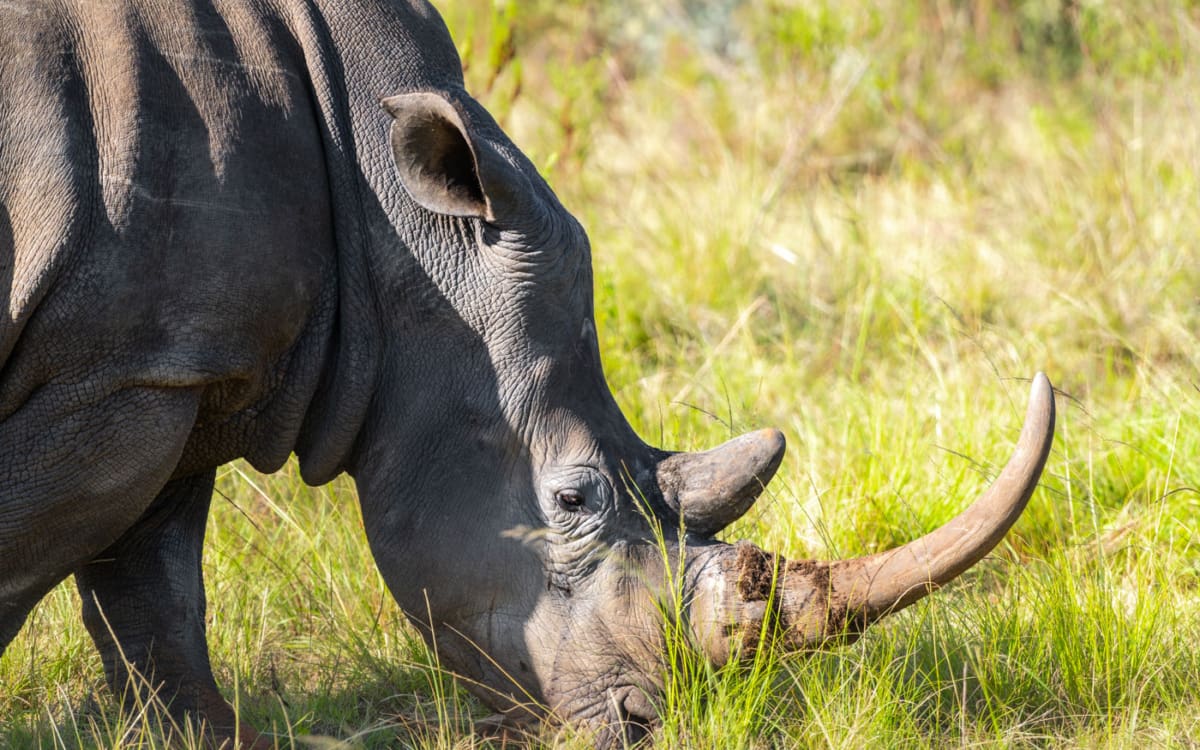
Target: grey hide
[{"x": 247, "y": 228}]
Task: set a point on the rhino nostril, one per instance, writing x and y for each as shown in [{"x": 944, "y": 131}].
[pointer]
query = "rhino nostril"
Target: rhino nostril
[
  {"x": 636, "y": 729},
  {"x": 637, "y": 717}
]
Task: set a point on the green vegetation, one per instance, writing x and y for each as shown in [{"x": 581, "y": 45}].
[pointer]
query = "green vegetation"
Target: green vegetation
[{"x": 868, "y": 225}]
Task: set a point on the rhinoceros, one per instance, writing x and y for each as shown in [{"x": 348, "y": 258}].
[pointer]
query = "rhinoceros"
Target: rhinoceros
[{"x": 252, "y": 228}]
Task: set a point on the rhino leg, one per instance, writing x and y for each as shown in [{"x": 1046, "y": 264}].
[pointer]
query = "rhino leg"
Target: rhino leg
[
  {"x": 76, "y": 469},
  {"x": 143, "y": 603}
]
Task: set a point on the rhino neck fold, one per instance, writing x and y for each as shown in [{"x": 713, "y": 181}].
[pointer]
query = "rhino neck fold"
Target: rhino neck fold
[{"x": 339, "y": 408}]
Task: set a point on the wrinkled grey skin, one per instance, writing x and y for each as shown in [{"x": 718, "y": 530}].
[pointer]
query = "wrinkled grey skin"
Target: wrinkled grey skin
[{"x": 246, "y": 229}]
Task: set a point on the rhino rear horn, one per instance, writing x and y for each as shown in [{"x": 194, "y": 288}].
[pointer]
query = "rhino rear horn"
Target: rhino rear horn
[
  {"x": 711, "y": 490},
  {"x": 440, "y": 165}
]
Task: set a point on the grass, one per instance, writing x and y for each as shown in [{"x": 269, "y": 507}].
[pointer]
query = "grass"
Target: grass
[{"x": 868, "y": 225}]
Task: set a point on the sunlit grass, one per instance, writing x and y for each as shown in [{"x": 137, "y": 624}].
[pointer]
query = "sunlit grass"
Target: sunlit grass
[{"x": 867, "y": 225}]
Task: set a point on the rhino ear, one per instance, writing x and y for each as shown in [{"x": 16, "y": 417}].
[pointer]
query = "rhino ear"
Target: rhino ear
[{"x": 439, "y": 165}]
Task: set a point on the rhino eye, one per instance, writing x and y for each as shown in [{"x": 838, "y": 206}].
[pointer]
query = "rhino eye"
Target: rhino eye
[{"x": 571, "y": 500}]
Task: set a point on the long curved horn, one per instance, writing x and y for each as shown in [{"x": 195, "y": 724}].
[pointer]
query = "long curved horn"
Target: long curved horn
[
  {"x": 889, "y": 581},
  {"x": 744, "y": 592}
]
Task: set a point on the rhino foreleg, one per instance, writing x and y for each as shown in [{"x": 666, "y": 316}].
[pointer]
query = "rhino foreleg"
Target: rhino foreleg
[
  {"x": 144, "y": 604},
  {"x": 77, "y": 467}
]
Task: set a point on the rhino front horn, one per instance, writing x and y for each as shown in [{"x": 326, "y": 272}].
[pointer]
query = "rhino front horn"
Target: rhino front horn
[
  {"x": 742, "y": 593},
  {"x": 878, "y": 584},
  {"x": 711, "y": 490}
]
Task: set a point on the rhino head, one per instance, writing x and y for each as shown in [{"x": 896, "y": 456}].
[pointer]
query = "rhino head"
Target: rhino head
[{"x": 539, "y": 544}]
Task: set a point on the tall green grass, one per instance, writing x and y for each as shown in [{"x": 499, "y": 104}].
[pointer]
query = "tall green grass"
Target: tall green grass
[{"x": 867, "y": 224}]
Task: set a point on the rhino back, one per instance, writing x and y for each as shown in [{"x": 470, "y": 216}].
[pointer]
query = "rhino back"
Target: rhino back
[{"x": 164, "y": 207}]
